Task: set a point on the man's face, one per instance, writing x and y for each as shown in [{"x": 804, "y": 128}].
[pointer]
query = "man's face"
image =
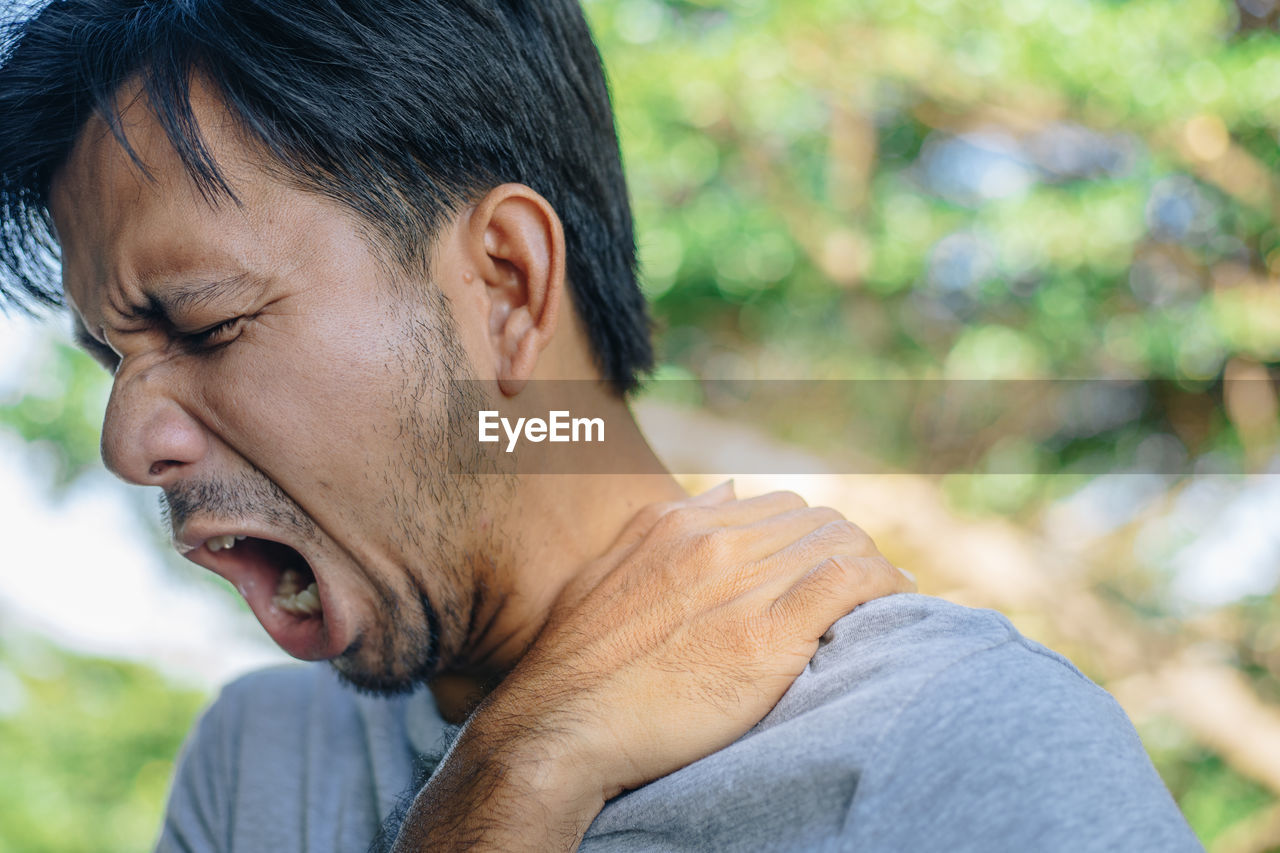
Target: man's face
[{"x": 281, "y": 384}]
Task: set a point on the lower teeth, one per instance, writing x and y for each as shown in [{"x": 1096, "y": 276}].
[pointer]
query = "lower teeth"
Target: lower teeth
[{"x": 291, "y": 600}]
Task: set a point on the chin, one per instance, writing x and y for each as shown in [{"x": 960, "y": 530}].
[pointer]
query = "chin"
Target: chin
[
  {"x": 373, "y": 684},
  {"x": 383, "y": 672}
]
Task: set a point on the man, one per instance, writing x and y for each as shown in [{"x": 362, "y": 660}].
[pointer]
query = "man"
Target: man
[{"x": 309, "y": 239}]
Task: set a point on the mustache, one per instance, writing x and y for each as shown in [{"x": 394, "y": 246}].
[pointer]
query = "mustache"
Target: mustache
[{"x": 242, "y": 496}]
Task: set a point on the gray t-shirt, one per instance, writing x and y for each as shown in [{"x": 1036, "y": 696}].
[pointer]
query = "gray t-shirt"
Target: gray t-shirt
[{"x": 918, "y": 725}]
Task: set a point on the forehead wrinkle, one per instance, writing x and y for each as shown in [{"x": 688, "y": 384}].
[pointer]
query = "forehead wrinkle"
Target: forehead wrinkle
[
  {"x": 129, "y": 310},
  {"x": 196, "y": 292}
]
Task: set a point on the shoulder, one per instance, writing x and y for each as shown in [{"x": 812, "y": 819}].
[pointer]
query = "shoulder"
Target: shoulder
[
  {"x": 210, "y": 774},
  {"x": 912, "y": 678},
  {"x": 287, "y": 683},
  {"x": 264, "y": 710},
  {"x": 250, "y": 709},
  {"x": 918, "y": 725},
  {"x": 889, "y": 649},
  {"x": 797, "y": 771},
  {"x": 1004, "y": 742}
]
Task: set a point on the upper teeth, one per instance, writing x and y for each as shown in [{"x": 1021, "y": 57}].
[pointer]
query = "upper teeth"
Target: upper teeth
[{"x": 220, "y": 543}]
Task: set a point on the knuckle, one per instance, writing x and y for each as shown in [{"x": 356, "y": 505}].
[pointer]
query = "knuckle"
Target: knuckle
[
  {"x": 649, "y": 515},
  {"x": 829, "y": 515},
  {"x": 677, "y": 521},
  {"x": 712, "y": 547},
  {"x": 845, "y": 528},
  {"x": 846, "y": 533},
  {"x": 838, "y": 535},
  {"x": 865, "y": 577},
  {"x": 795, "y": 616},
  {"x": 782, "y": 611},
  {"x": 788, "y": 499},
  {"x": 843, "y": 569}
]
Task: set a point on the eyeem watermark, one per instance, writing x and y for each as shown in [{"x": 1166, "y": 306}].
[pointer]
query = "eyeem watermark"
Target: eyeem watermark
[
  {"x": 559, "y": 427},
  {"x": 933, "y": 427}
]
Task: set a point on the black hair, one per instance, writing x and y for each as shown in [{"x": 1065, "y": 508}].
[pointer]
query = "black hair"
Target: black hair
[{"x": 401, "y": 110}]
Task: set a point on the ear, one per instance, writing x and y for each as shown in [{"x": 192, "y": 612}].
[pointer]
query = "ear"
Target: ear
[{"x": 516, "y": 245}]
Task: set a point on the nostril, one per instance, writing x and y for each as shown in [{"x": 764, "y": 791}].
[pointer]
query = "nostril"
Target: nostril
[
  {"x": 147, "y": 436},
  {"x": 159, "y": 468}
]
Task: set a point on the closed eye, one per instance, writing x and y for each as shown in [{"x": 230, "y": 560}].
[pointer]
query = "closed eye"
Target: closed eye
[{"x": 214, "y": 336}]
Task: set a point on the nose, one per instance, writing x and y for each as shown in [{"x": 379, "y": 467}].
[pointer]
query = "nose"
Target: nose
[{"x": 148, "y": 438}]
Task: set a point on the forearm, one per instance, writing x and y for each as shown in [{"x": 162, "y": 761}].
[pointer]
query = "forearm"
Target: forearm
[{"x": 489, "y": 795}]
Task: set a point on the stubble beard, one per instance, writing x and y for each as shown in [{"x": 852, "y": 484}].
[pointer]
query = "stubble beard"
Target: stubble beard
[
  {"x": 440, "y": 484},
  {"x": 436, "y": 489}
]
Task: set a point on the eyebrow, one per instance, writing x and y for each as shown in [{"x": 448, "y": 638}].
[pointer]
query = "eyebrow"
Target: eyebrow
[
  {"x": 167, "y": 300},
  {"x": 161, "y": 304},
  {"x": 163, "y": 300}
]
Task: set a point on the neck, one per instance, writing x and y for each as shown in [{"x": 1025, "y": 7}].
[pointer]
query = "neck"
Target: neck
[{"x": 557, "y": 525}]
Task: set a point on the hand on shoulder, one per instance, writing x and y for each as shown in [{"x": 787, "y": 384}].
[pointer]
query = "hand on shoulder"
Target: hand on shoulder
[{"x": 666, "y": 649}]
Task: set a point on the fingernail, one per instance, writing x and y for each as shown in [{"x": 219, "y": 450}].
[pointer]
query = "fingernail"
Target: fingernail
[{"x": 910, "y": 576}]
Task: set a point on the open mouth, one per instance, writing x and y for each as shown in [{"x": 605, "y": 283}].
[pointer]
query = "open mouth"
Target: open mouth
[
  {"x": 280, "y": 587},
  {"x": 296, "y": 590}
]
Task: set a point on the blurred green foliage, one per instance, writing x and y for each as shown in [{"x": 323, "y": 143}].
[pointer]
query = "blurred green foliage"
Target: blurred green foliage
[
  {"x": 938, "y": 188},
  {"x": 86, "y": 749},
  {"x": 856, "y": 189},
  {"x": 1211, "y": 795},
  {"x": 58, "y": 410}
]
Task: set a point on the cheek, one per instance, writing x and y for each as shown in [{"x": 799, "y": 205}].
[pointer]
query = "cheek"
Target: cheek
[{"x": 308, "y": 408}]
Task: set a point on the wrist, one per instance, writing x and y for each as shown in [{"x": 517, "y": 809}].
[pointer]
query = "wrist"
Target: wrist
[
  {"x": 513, "y": 751},
  {"x": 500, "y": 788}
]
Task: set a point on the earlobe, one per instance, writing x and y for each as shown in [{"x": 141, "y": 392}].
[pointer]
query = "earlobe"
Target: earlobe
[
  {"x": 517, "y": 245},
  {"x": 523, "y": 343}
]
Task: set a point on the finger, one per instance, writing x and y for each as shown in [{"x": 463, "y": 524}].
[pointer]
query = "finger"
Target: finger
[
  {"x": 781, "y": 571},
  {"x": 635, "y": 530},
  {"x": 832, "y": 589},
  {"x": 763, "y": 559},
  {"x": 644, "y": 520},
  {"x": 796, "y": 558},
  {"x": 768, "y": 536},
  {"x": 740, "y": 556},
  {"x": 751, "y": 510},
  {"x": 691, "y": 519}
]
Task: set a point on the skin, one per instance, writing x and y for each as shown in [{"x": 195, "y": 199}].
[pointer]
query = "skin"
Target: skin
[
  {"x": 288, "y": 383},
  {"x": 326, "y": 333}
]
